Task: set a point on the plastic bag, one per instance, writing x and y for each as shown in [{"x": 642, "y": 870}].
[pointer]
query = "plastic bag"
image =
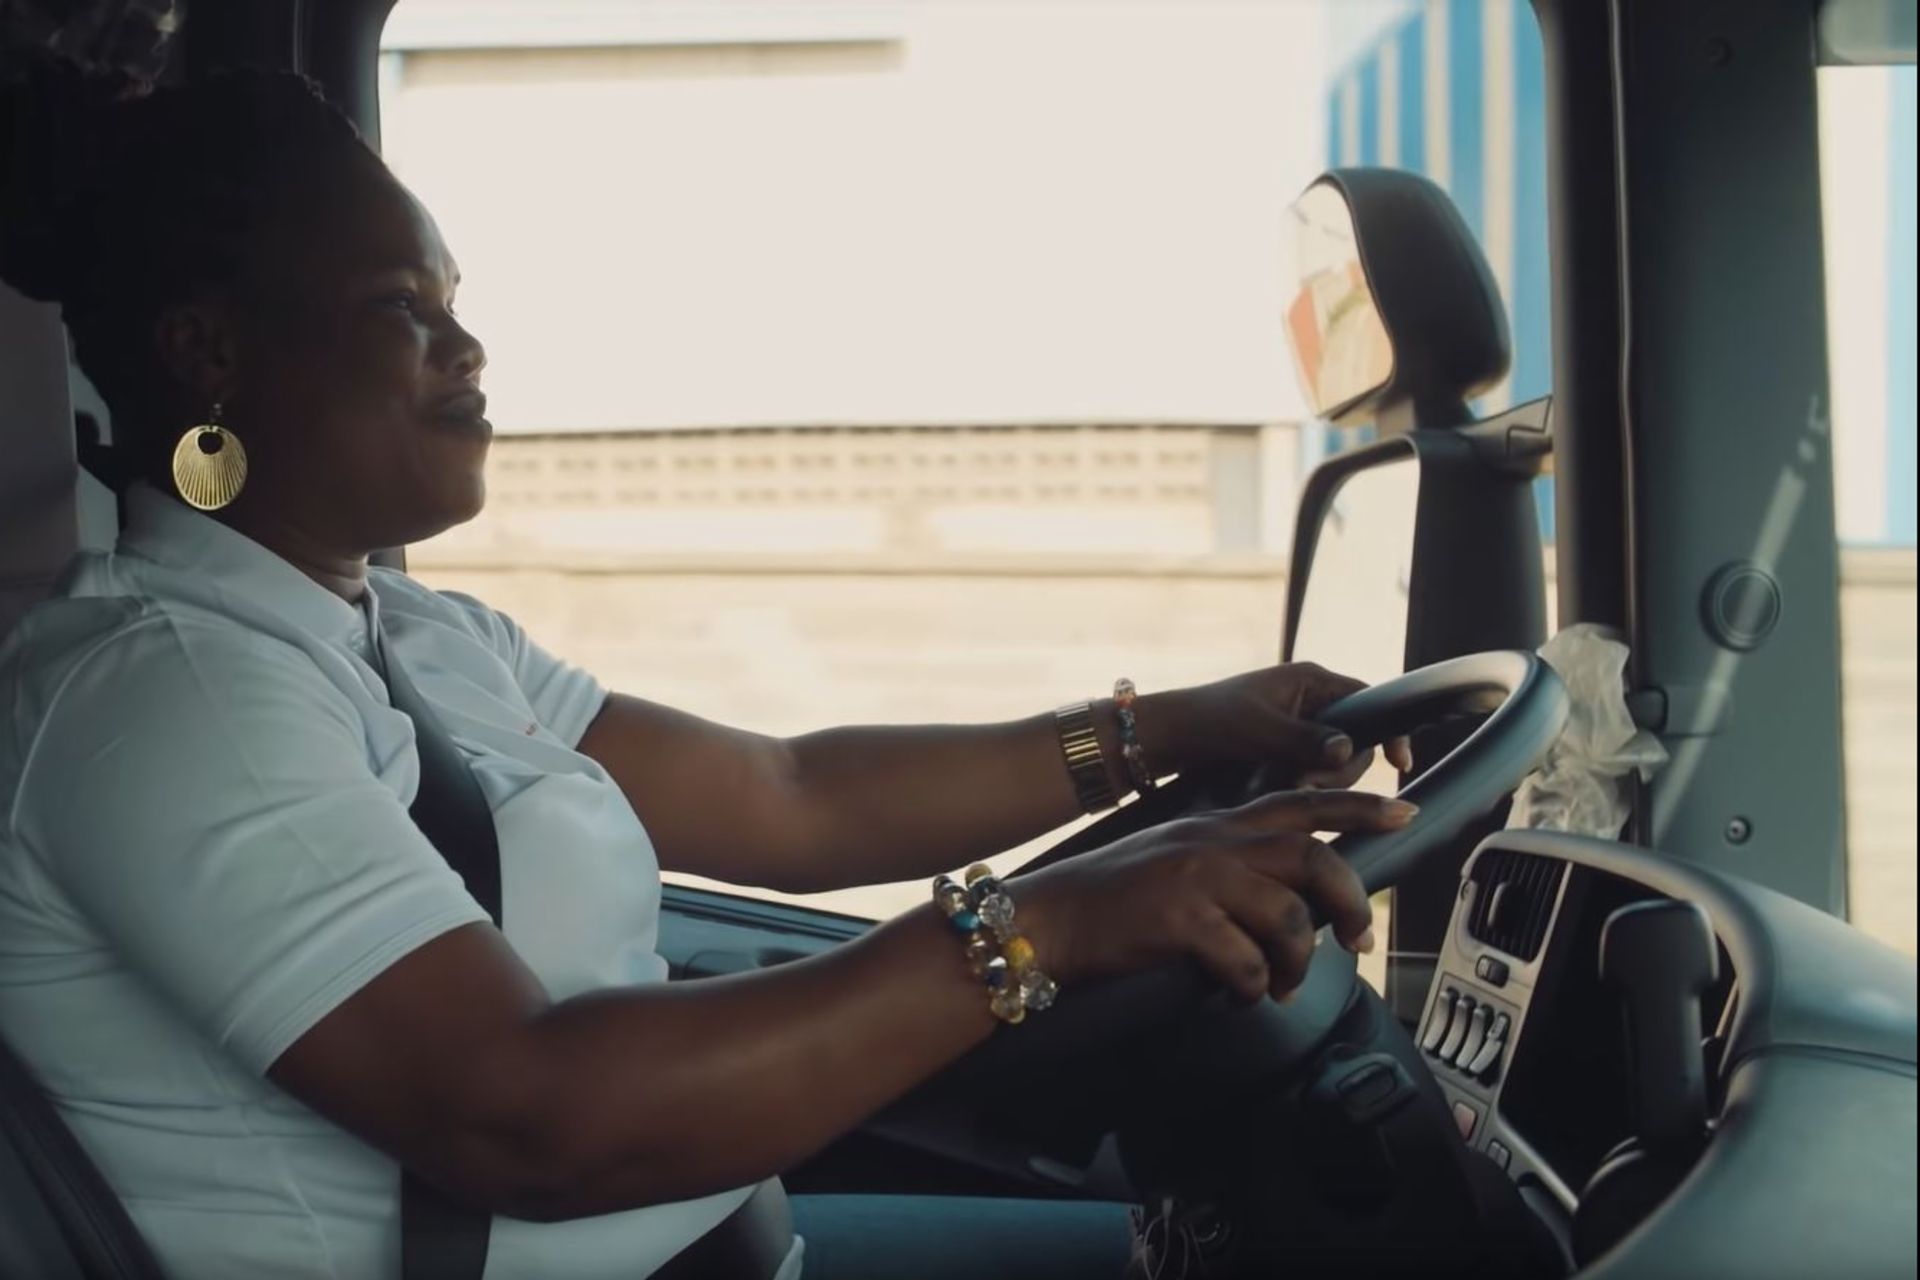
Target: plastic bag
[{"x": 1584, "y": 785}]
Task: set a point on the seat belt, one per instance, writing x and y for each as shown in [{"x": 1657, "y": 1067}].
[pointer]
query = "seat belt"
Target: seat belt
[
  {"x": 441, "y": 1240},
  {"x": 100, "y": 1238}
]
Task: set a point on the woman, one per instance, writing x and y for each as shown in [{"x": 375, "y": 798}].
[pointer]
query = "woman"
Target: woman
[{"x": 254, "y": 984}]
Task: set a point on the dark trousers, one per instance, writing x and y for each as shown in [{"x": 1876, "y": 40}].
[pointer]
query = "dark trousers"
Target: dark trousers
[{"x": 871, "y": 1237}]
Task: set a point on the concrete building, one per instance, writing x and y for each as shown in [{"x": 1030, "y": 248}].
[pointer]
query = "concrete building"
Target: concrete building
[{"x": 917, "y": 491}]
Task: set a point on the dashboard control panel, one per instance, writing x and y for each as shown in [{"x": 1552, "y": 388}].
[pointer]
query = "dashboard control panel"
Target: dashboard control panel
[
  {"x": 1523, "y": 1035},
  {"x": 1494, "y": 957},
  {"x": 1799, "y": 1028},
  {"x": 1468, "y": 1031}
]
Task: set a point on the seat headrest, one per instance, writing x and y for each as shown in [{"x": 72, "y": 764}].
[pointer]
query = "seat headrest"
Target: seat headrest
[{"x": 1420, "y": 316}]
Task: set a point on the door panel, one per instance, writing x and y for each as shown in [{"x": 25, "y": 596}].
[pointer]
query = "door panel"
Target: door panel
[{"x": 947, "y": 1144}]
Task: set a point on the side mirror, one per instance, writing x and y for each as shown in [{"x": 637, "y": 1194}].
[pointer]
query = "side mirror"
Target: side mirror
[
  {"x": 1341, "y": 350},
  {"x": 1395, "y": 317},
  {"x": 1425, "y": 545}
]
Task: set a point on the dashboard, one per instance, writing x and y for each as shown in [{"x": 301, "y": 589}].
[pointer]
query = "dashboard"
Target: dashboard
[
  {"x": 1807, "y": 1047},
  {"x": 1527, "y": 1041},
  {"x": 1809, "y": 1063}
]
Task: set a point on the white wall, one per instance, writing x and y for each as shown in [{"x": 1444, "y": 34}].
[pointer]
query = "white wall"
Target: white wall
[
  {"x": 1016, "y": 212},
  {"x": 1855, "y": 121}
]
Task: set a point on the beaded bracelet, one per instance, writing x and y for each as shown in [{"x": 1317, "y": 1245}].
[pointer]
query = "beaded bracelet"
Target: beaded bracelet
[
  {"x": 1124, "y": 696},
  {"x": 981, "y": 911}
]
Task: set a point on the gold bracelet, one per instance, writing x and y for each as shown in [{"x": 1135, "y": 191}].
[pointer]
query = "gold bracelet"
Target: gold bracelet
[{"x": 1086, "y": 762}]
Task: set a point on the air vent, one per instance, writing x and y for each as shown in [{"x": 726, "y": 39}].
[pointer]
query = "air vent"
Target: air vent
[{"x": 1513, "y": 900}]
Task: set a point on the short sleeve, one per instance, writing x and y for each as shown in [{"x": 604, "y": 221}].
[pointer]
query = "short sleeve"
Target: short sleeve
[
  {"x": 565, "y": 698},
  {"x": 202, "y": 796}
]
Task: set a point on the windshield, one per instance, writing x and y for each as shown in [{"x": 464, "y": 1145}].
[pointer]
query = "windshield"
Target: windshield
[{"x": 885, "y": 361}]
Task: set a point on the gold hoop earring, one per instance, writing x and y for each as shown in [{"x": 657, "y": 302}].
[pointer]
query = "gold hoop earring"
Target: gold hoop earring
[{"x": 209, "y": 465}]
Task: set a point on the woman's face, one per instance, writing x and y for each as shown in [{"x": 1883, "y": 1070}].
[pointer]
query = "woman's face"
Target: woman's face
[{"x": 355, "y": 390}]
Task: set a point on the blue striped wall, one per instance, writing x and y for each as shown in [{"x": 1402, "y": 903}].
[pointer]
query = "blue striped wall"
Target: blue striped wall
[
  {"x": 1464, "y": 31},
  {"x": 1411, "y": 42},
  {"x": 1466, "y": 115},
  {"x": 1532, "y": 292}
]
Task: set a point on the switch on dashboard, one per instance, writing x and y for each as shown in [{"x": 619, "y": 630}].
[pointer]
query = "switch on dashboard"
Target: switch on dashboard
[
  {"x": 1466, "y": 1117},
  {"x": 1463, "y": 1010},
  {"x": 1482, "y": 1063},
  {"x": 1476, "y": 1038},
  {"x": 1438, "y": 1020}
]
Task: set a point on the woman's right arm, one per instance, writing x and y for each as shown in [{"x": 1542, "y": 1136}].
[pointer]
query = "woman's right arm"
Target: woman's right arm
[{"x": 454, "y": 1061}]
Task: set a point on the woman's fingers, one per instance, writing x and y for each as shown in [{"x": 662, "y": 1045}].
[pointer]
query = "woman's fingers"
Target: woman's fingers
[
  {"x": 1239, "y": 891},
  {"x": 1278, "y": 845},
  {"x": 1308, "y": 811},
  {"x": 1324, "y": 881},
  {"x": 1398, "y": 753},
  {"x": 1271, "y": 915},
  {"x": 1304, "y": 744},
  {"x": 1226, "y": 951},
  {"x": 1313, "y": 686},
  {"x": 1316, "y": 688},
  {"x": 1278, "y": 919},
  {"x": 1338, "y": 779}
]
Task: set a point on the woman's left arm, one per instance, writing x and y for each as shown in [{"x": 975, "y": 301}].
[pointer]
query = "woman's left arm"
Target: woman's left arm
[{"x": 872, "y": 804}]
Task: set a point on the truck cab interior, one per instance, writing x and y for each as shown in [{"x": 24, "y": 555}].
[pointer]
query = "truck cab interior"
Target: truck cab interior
[{"x": 1659, "y": 1052}]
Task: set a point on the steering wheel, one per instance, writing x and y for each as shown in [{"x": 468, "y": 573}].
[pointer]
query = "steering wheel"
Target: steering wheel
[{"x": 1528, "y": 706}]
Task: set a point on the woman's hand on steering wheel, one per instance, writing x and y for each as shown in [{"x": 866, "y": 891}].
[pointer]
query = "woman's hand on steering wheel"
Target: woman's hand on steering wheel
[
  {"x": 1263, "y": 718},
  {"x": 1237, "y": 891}
]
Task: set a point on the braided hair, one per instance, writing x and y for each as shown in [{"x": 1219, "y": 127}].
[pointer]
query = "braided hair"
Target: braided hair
[{"x": 173, "y": 191}]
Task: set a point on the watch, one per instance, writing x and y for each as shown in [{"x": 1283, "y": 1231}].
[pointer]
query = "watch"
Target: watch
[{"x": 1086, "y": 762}]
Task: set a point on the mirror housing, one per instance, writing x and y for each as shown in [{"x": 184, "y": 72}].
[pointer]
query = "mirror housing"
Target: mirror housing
[
  {"x": 1384, "y": 257},
  {"x": 1341, "y": 350},
  {"x": 1477, "y": 580}
]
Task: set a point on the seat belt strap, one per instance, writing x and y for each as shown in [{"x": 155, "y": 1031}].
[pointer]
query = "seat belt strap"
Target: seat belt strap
[
  {"x": 441, "y": 1240},
  {"x": 449, "y": 807},
  {"x": 91, "y": 1220}
]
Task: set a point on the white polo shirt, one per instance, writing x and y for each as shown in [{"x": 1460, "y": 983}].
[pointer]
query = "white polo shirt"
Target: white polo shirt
[{"x": 205, "y": 847}]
